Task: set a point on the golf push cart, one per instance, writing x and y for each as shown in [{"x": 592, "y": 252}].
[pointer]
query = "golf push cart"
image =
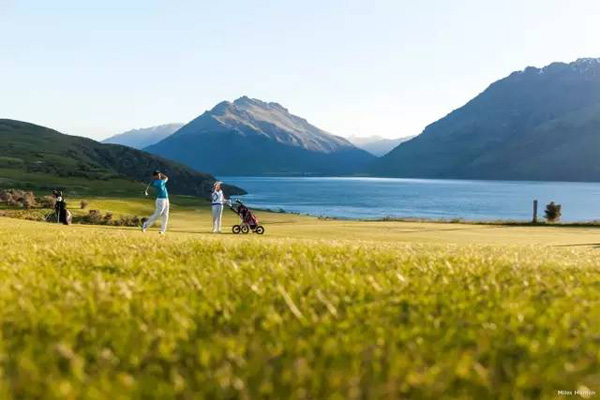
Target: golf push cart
[{"x": 248, "y": 221}]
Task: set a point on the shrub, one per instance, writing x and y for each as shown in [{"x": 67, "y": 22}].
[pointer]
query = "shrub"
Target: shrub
[
  {"x": 5, "y": 196},
  {"x": 83, "y": 204},
  {"x": 13, "y": 203},
  {"x": 27, "y": 199},
  {"x": 107, "y": 218},
  {"x": 26, "y": 203},
  {"x": 18, "y": 198},
  {"x": 553, "y": 212},
  {"x": 47, "y": 201},
  {"x": 94, "y": 217},
  {"x": 128, "y": 221}
]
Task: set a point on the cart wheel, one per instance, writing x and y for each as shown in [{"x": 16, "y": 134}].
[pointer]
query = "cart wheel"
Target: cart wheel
[
  {"x": 260, "y": 230},
  {"x": 245, "y": 229},
  {"x": 236, "y": 229}
]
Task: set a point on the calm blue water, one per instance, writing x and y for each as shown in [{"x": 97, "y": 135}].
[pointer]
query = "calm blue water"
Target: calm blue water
[{"x": 371, "y": 198}]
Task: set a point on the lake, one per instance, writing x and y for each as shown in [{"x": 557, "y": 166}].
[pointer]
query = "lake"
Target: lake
[{"x": 375, "y": 198}]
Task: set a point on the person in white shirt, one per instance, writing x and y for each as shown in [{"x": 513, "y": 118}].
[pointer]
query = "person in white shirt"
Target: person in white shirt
[{"x": 217, "y": 201}]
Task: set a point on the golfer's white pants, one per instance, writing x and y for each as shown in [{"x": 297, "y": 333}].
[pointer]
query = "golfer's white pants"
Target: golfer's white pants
[
  {"x": 217, "y": 213},
  {"x": 161, "y": 210}
]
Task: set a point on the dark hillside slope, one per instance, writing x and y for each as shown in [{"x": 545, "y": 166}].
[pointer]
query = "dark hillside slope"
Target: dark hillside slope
[
  {"x": 536, "y": 124},
  {"x": 29, "y": 152}
]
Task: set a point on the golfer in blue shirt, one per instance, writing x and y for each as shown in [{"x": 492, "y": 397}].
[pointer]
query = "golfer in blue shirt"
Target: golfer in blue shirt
[{"x": 161, "y": 209}]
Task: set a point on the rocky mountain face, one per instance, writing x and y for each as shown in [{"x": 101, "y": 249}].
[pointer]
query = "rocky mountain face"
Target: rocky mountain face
[
  {"x": 536, "y": 124},
  {"x": 252, "y": 137}
]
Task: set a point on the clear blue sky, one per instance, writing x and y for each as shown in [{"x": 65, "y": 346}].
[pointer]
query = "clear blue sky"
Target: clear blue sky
[{"x": 95, "y": 68}]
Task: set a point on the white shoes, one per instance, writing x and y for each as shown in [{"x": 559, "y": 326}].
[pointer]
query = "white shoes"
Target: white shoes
[{"x": 161, "y": 233}]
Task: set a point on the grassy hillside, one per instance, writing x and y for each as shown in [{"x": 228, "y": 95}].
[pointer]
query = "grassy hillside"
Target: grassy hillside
[
  {"x": 34, "y": 157},
  {"x": 388, "y": 310}
]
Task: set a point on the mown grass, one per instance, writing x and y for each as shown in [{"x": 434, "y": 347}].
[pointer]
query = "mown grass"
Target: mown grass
[{"x": 99, "y": 312}]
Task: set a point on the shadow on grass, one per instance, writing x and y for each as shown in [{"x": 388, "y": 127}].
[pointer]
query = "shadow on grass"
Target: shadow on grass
[{"x": 594, "y": 245}]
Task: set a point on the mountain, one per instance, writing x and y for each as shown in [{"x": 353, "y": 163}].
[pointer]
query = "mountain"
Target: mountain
[
  {"x": 34, "y": 157},
  {"x": 377, "y": 145},
  {"x": 536, "y": 124},
  {"x": 251, "y": 137},
  {"x": 144, "y": 137}
]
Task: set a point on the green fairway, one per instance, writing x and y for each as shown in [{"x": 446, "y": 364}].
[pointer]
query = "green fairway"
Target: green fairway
[
  {"x": 192, "y": 216},
  {"x": 312, "y": 309}
]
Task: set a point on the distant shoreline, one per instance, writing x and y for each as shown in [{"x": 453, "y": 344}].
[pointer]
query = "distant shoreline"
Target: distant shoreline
[
  {"x": 574, "y": 224},
  {"x": 414, "y": 179}
]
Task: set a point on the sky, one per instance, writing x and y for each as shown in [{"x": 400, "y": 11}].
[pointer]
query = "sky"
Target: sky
[{"x": 372, "y": 67}]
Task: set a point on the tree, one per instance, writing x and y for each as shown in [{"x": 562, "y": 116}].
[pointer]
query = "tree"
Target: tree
[{"x": 553, "y": 212}]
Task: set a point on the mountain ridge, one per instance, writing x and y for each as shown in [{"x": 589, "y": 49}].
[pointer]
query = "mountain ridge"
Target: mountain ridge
[
  {"x": 479, "y": 140},
  {"x": 223, "y": 139},
  {"x": 377, "y": 145},
  {"x": 144, "y": 137}
]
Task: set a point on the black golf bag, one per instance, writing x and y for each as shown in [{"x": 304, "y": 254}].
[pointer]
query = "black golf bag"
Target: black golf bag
[{"x": 63, "y": 215}]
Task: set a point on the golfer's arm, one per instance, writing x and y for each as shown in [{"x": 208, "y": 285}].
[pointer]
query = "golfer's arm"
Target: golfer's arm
[{"x": 164, "y": 178}]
